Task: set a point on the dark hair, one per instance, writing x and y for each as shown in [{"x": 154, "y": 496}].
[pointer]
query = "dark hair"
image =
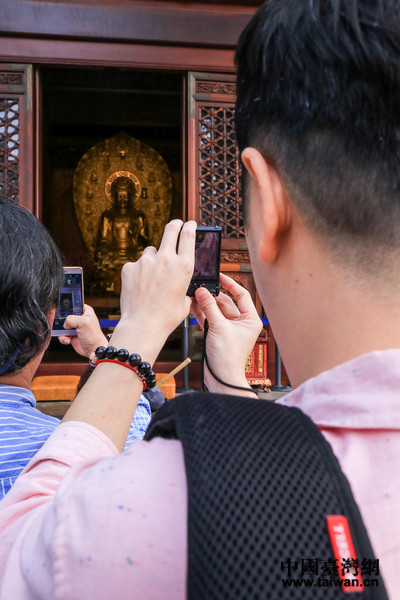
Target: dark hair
[
  {"x": 31, "y": 276},
  {"x": 318, "y": 93}
]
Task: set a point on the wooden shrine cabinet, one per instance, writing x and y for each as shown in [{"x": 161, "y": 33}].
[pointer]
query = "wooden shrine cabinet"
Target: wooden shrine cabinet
[{"x": 73, "y": 74}]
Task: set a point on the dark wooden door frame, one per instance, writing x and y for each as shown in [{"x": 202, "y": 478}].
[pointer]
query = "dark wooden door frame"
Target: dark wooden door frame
[{"x": 177, "y": 23}]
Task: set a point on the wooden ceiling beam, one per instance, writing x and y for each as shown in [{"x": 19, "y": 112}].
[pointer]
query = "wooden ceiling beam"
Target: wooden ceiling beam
[{"x": 156, "y": 22}]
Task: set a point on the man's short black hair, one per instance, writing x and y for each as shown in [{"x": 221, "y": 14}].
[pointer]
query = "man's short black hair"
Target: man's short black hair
[
  {"x": 318, "y": 93},
  {"x": 31, "y": 276}
]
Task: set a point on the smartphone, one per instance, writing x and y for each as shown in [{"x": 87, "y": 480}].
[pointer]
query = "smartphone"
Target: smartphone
[
  {"x": 70, "y": 301},
  {"x": 207, "y": 260}
]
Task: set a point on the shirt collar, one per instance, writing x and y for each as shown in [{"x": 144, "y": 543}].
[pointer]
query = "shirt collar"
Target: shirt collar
[
  {"x": 17, "y": 394},
  {"x": 362, "y": 393}
]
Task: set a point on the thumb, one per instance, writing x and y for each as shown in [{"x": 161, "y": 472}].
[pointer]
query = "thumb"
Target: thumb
[
  {"x": 73, "y": 321},
  {"x": 208, "y": 305}
]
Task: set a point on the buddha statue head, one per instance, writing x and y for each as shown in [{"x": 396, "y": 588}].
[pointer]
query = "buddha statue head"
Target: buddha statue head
[{"x": 123, "y": 193}]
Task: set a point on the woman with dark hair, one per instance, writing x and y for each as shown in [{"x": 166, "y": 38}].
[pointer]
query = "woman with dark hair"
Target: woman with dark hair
[{"x": 31, "y": 276}]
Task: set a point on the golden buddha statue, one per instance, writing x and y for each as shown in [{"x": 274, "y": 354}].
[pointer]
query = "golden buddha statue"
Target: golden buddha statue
[
  {"x": 123, "y": 230},
  {"x": 122, "y": 198}
]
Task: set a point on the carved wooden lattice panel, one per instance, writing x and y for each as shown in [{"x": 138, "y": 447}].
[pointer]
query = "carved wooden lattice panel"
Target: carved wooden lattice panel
[
  {"x": 16, "y": 134},
  {"x": 214, "y": 180},
  {"x": 214, "y": 166},
  {"x": 219, "y": 170},
  {"x": 9, "y": 148}
]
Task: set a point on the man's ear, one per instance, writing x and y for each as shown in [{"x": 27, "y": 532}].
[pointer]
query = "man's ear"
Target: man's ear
[
  {"x": 270, "y": 201},
  {"x": 50, "y": 317}
]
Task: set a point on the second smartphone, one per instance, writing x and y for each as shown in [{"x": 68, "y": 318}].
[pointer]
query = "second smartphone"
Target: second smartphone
[{"x": 70, "y": 301}]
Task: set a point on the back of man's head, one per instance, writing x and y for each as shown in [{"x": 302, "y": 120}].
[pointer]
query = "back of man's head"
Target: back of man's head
[
  {"x": 31, "y": 276},
  {"x": 318, "y": 96}
]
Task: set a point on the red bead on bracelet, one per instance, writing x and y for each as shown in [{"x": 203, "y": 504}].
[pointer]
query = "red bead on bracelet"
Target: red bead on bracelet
[{"x": 118, "y": 362}]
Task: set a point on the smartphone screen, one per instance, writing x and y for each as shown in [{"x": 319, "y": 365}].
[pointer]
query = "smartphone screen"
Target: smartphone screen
[
  {"x": 206, "y": 266},
  {"x": 207, "y": 260},
  {"x": 70, "y": 300}
]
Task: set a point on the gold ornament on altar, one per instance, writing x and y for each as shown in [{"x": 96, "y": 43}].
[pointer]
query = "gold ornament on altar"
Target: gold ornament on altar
[{"x": 122, "y": 197}]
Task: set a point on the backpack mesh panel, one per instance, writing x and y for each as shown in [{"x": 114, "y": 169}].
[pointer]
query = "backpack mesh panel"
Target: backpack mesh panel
[{"x": 259, "y": 493}]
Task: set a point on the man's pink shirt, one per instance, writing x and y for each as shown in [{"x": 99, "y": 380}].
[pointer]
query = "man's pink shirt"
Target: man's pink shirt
[{"x": 83, "y": 521}]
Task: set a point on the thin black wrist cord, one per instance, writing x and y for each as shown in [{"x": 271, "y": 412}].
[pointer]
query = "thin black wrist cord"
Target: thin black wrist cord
[{"x": 205, "y": 360}]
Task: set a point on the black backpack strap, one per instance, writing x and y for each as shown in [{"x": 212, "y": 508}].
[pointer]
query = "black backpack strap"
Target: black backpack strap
[{"x": 261, "y": 481}]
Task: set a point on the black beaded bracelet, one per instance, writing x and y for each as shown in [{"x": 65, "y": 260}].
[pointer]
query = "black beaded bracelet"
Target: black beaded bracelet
[{"x": 142, "y": 368}]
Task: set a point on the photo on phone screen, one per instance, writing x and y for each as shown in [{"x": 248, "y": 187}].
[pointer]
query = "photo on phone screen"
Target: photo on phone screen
[
  {"x": 70, "y": 300},
  {"x": 207, "y": 260}
]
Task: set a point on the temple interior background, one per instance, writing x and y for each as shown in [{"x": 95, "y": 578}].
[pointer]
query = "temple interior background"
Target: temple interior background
[
  {"x": 74, "y": 75},
  {"x": 82, "y": 107}
]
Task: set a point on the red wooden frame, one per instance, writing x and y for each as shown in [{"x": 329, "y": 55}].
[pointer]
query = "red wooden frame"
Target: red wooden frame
[
  {"x": 113, "y": 54},
  {"x": 183, "y": 23}
]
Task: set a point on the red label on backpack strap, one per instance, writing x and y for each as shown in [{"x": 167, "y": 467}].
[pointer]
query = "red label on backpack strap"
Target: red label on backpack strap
[{"x": 343, "y": 550}]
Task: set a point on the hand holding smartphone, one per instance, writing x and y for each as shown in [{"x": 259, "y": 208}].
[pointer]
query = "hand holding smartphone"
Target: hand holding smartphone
[
  {"x": 205, "y": 274},
  {"x": 70, "y": 300}
]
